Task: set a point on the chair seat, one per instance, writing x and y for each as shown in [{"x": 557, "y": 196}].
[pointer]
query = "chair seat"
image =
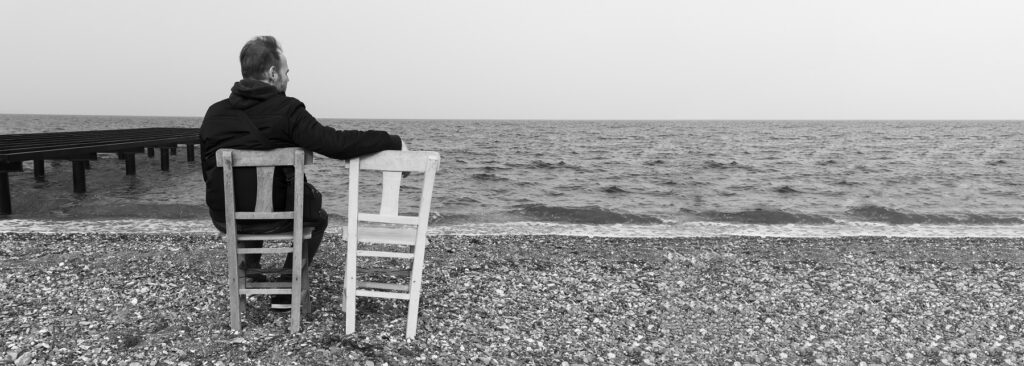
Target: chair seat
[{"x": 385, "y": 235}]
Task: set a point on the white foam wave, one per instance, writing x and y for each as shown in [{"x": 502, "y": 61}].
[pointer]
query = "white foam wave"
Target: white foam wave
[{"x": 687, "y": 229}]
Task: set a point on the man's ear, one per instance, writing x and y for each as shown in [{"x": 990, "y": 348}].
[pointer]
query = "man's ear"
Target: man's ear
[{"x": 272, "y": 73}]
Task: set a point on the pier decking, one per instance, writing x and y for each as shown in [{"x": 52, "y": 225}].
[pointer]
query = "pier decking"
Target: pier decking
[{"x": 82, "y": 146}]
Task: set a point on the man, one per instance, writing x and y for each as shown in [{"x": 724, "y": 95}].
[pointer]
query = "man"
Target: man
[{"x": 259, "y": 116}]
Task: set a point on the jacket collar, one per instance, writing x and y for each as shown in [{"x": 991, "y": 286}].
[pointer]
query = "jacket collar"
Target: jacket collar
[{"x": 248, "y": 92}]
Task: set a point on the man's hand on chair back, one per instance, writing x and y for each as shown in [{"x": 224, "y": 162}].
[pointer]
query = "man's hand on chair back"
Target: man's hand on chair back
[{"x": 404, "y": 148}]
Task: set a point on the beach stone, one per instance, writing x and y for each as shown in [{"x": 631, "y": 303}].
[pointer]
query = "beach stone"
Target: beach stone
[{"x": 24, "y": 359}]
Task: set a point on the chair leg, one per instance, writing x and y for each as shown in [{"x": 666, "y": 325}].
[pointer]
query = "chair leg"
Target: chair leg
[
  {"x": 243, "y": 307},
  {"x": 296, "y": 315},
  {"x": 298, "y": 278},
  {"x": 414, "y": 306},
  {"x": 235, "y": 299},
  {"x": 415, "y": 281},
  {"x": 235, "y": 302},
  {"x": 350, "y": 292}
]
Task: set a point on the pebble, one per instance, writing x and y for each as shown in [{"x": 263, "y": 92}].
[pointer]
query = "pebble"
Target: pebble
[{"x": 24, "y": 359}]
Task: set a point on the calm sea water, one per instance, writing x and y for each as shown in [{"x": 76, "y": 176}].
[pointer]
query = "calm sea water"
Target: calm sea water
[{"x": 619, "y": 177}]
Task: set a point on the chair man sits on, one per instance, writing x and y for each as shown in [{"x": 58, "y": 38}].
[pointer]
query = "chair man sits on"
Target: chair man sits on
[
  {"x": 387, "y": 229},
  {"x": 294, "y": 277}
]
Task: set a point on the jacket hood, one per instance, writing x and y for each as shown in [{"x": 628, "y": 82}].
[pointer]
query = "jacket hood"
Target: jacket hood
[{"x": 247, "y": 93}]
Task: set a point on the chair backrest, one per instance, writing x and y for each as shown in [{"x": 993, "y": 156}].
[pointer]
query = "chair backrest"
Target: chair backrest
[
  {"x": 391, "y": 164},
  {"x": 265, "y": 161}
]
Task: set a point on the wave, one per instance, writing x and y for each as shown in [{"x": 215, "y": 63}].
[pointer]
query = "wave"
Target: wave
[
  {"x": 786, "y": 189},
  {"x": 764, "y": 217},
  {"x": 711, "y": 164},
  {"x": 614, "y": 189},
  {"x": 460, "y": 201},
  {"x": 887, "y": 215},
  {"x": 540, "y": 164},
  {"x": 488, "y": 177},
  {"x": 581, "y": 215},
  {"x": 867, "y": 169}
]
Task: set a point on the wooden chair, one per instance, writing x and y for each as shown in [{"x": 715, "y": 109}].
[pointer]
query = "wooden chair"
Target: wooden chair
[
  {"x": 401, "y": 237},
  {"x": 265, "y": 162}
]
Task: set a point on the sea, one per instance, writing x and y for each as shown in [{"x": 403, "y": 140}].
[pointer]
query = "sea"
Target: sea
[{"x": 601, "y": 178}]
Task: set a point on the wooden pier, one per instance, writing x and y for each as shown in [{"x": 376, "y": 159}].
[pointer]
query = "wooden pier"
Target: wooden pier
[{"x": 82, "y": 146}]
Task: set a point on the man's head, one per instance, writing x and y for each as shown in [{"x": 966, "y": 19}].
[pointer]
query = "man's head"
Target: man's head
[{"x": 262, "y": 59}]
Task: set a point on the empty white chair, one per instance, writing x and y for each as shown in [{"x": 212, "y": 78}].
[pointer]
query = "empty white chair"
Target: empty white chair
[{"x": 389, "y": 234}]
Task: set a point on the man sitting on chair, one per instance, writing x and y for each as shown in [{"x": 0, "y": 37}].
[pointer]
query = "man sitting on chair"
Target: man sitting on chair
[{"x": 259, "y": 116}]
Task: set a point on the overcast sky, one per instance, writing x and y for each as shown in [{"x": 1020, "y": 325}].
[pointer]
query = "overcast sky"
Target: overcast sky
[{"x": 528, "y": 59}]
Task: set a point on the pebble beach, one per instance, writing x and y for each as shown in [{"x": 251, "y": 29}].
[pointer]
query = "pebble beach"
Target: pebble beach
[{"x": 160, "y": 298}]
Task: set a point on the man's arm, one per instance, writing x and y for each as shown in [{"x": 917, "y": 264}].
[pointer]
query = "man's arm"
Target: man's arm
[{"x": 307, "y": 132}]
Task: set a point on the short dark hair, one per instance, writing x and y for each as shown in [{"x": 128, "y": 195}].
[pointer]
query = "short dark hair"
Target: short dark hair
[{"x": 258, "y": 55}]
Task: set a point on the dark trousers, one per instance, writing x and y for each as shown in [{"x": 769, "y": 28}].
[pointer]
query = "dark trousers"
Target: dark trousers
[
  {"x": 313, "y": 215},
  {"x": 309, "y": 246}
]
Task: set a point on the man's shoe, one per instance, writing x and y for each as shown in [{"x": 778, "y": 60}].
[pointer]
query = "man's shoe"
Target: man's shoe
[
  {"x": 256, "y": 277},
  {"x": 281, "y": 302}
]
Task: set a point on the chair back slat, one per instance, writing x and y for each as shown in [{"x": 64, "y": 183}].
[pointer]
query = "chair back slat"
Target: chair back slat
[
  {"x": 264, "y": 189},
  {"x": 391, "y": 183}
]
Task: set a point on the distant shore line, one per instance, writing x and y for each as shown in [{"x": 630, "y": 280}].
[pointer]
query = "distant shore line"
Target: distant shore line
[{"x": 677, "y": 230}]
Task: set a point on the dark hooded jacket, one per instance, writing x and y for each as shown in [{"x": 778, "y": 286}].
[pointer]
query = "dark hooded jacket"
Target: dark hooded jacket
[{"x": 259, "y": 117}]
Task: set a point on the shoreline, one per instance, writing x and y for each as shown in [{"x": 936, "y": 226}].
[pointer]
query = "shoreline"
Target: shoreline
[{"x": 682, "y": 230}]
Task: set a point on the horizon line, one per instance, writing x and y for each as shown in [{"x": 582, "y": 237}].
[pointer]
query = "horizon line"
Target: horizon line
[{"x": 556, "y": 119}]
